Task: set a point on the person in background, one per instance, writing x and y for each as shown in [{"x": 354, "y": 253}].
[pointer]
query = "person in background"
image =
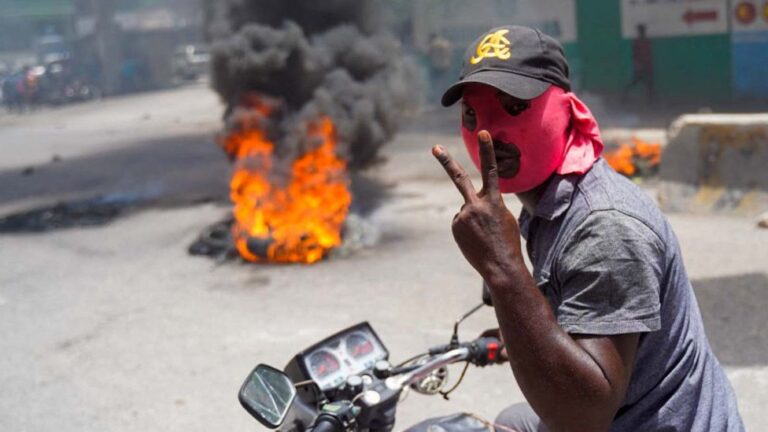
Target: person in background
[
  {"x": 642, "y": 65},
  {"x": 440, "y": 53}
]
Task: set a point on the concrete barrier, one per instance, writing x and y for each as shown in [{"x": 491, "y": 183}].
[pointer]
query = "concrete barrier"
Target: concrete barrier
[{"x": 716, "y": 163}]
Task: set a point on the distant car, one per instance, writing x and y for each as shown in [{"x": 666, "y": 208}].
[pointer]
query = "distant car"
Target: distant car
[
  {"x": 190, "y": 61},
  {"x": 63, "y": 84}
]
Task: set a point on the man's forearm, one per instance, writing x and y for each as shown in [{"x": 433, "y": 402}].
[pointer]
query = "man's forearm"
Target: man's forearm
[{"x": 559, "y": 378}]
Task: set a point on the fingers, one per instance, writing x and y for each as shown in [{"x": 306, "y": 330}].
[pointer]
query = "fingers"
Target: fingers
[
  {"x": 494, "y": 332},
  {"x": 503, "y": 356},
  {"x": 456, "y": 173},
  {"x": 488, "y": 167}
]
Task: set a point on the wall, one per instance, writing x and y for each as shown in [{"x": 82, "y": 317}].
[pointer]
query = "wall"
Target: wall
[
  {"x": 749, "y": 47},
  {"x": 605, "y": 57},
  {"x": 22, "y": 21},
  {"x": 693, "y": 68},
  {"x": 35, "y": 8},
  {"x": 691, "y": 50}
]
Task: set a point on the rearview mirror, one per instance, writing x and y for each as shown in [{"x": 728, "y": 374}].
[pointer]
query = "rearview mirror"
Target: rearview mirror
[{"x": 267, "y": 394}]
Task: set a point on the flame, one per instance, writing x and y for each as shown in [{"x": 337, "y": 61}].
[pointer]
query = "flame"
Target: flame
[
  {"x": 299, "y": 222},
  {"x": 629, "y": 157},
  {"x": 621, "y": 160}
]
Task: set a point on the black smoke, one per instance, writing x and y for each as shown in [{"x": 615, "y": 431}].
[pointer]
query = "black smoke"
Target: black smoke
[{"x": 330, "y": 57}]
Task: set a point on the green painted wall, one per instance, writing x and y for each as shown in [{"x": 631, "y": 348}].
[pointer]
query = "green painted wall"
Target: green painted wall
[
  {"x": 694, "y": 68},
  {"x": 123, "y": 5},
  {"x": 572, "y": 54},
  {"x": 606, "y": 60},
  {"x": 35, "y": 8}
]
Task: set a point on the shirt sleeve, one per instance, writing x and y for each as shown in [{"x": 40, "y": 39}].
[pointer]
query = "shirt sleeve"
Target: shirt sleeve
[{"x": 609, "y": 276}]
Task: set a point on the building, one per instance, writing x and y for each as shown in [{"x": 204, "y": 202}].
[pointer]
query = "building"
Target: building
[
  {"x": 703, "y": 51},
  {"x": 32, "y": 29},
  {"x": 124, "y": 44},
  {"x": 135, "y": 39}
]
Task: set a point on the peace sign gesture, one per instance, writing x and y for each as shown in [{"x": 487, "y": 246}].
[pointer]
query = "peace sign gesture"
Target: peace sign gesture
[{"x": 484, "y": 229}]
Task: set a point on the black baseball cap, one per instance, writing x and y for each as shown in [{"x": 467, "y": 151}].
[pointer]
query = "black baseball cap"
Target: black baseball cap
[{"x": 520, "y": 61}]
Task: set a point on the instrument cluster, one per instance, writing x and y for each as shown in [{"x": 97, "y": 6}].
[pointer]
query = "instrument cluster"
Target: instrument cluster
[{"x": 349, "y": 353}]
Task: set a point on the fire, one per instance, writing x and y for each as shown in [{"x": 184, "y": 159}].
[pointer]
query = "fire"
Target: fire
[
  {"x": 621, "y": 160},
  {"x": 638, "y": 155},
  {"x": 299, "y": 222}
]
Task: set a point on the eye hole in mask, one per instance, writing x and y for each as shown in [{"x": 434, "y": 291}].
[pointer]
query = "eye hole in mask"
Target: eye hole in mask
[
  {"x": 468, "y": 117},
  {"x": 512, "y": 105}
]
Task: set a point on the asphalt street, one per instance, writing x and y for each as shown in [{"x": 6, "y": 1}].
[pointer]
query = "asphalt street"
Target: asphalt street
[{"x": 117, "y": 328}]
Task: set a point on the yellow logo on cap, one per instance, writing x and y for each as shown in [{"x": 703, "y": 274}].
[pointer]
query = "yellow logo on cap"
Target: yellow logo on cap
[{"x": 493, "y": 45}]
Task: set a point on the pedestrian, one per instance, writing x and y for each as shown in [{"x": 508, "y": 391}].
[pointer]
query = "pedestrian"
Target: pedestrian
[
  {"x": 440, "y": 63},
  {"x": 13, "y": 92},
  {"x": 604, "y": 334},
  {"x": 642, "y": 65}
]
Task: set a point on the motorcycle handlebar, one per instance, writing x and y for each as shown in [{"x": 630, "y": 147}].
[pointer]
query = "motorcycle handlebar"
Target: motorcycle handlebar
[
  {"x": 480, "y": 352},
  {"x": 326, "y": 423},
  {"x": 485, "y": 350},
  {"x": 434, "y": 362}
]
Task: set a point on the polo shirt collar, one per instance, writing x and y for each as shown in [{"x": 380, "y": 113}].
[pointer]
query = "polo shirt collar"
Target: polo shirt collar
[{"x": 555, "y": 200}]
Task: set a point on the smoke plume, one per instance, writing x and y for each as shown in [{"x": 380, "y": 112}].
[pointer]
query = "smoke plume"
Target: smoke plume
[{"x": 328, "y": 58}]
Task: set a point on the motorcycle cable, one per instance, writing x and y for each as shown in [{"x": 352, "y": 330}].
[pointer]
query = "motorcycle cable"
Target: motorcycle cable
[{"x": 455, "y": 386}]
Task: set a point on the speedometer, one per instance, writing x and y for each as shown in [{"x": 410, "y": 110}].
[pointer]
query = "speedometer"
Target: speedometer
[
  {"x": 358, "y": 346},
  {"x": 323, "y": 363},
  {"x": 330, "y": 362}
]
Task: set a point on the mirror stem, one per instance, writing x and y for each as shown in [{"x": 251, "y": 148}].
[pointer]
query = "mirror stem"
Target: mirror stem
[{"x": 455, "y": 337}]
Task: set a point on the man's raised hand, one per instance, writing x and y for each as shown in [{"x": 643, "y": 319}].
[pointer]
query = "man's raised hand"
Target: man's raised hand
[{"x": 484, "y": 229}]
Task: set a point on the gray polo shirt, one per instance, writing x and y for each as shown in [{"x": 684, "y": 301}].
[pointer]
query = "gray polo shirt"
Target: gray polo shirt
[{"x": 608, "y": 262}]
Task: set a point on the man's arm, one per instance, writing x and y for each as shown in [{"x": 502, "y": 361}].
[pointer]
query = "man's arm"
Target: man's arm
[{"x": 573, "y": 383}]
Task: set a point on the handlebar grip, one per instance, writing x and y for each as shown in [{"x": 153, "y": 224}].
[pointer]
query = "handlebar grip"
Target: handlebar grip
[
  {"x": 484, "y": 351},
  {"x": 327, "y": 423}
]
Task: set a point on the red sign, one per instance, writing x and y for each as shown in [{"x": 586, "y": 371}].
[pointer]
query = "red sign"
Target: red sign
[
  {"x": 746, "y": 12},
  {"x": 765, "y": 11},
  {"x": 693, "y": 16}
]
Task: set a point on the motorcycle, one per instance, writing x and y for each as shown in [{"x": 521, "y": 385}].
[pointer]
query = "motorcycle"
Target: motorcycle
[
  {"x": 74, "y": 90},
  {"x": 346, "y": 383}
]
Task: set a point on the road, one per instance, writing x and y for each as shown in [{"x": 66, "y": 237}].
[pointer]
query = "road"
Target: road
[{"x": 116, "y": 328}]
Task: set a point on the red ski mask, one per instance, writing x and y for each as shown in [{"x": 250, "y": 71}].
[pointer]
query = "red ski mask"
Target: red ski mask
[{"x": 554, "y": 132}]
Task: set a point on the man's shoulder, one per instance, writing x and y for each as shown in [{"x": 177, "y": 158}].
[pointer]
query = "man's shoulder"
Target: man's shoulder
[
  {"x": 602, "y": 205},
  {"x": 604, "y": 190}
]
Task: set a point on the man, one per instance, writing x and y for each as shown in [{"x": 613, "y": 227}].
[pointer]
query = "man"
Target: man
[
  {"x": 642, "y": 65},
  {"x": 605, "y": 333},
  {"x": 440, "y": 55}
]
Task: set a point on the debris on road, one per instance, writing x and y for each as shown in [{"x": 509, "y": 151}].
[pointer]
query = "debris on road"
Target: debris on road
[
  {"x": 215, "y": 241},
  {"x": 763, "y": 221},
  {"x": 89, "y": 212}
]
